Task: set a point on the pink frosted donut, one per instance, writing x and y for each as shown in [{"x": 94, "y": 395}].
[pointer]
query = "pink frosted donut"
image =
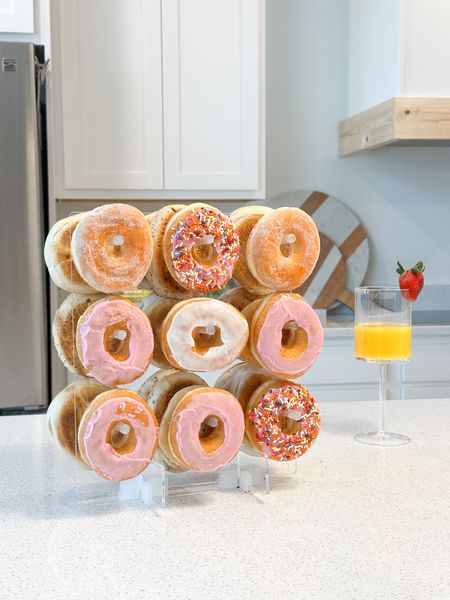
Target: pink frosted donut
[
  {"x": 203, "y": 427},
  {"x": 114, "y": 341},
  {"x": 118, "y": 435},
  {"x": 286, "y": 335},
  {"x": 201, "y": 248}
]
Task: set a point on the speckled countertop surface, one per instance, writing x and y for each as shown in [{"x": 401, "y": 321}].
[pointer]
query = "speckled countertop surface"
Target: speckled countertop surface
[{"x": 355, "y": 522}]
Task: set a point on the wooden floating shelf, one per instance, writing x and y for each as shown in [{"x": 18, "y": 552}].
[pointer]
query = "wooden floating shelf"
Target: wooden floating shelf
[{"x": 398, "y": 120}]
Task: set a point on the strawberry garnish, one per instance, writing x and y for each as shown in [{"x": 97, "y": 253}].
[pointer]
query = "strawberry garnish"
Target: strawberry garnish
[{"x": 411, "y": 280}]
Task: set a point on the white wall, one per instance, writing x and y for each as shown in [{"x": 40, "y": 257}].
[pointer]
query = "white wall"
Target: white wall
[
  {"x": 402, "y": 195},
  {"x": 375, "y": 52}
]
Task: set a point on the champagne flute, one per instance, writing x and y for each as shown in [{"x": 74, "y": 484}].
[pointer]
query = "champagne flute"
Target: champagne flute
[{"x": 383, "y": 335}]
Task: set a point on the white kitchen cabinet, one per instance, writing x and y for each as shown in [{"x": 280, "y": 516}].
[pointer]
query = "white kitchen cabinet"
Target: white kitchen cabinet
[
  {"x": 154, "y": 98},
  {"x": 109, "y": 71},
  {"x": 211, "y": 93},
  {"x": 16, "y": 16}
]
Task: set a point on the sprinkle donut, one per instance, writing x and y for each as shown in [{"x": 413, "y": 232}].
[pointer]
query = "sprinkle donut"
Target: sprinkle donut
[
  {"x": 282, "y": 420},
  {"x": 203, "y": 334},
  {"x": 202, "y": 428},
  {"x": 114, "y": 341},
  {"x": 118, "y": 435},
  {"x": 158, "y": 277},
  {"x": 201, "y": 248},
  {"x": 112, "y": 247},
  {"x": 283, "y": 248},
  {"x": 286, "y": 335}
]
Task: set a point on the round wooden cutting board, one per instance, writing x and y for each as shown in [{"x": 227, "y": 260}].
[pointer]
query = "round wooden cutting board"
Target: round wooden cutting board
[
  {"x": 326, "y": 284},
  {"x": 340, "y": 226}
]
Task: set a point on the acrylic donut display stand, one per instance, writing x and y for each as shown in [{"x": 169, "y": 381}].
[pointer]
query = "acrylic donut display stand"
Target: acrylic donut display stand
[{"x": 186, "y": 348}]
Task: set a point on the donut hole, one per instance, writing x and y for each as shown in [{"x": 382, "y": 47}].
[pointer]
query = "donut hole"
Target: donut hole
[
  {"x": 206, "y": 338},
  {"x": 211, "y": 433},
  {"x": 294, "y": 340},
  {"x": 204, "y": 251},
  {"x": 117, "y": 341},
  {"x": 290, "y": 423},
  {"x": 115, "y": 246},
  {"x": 121, "y": 437},
  {"x": 287, "y": 244}
]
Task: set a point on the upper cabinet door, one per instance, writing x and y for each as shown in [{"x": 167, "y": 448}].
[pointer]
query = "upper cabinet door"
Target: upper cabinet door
[
  {"x": 16, "y": 16},
  {"x": 110, "y": 78},
  {"x": 211, "y": 80}
]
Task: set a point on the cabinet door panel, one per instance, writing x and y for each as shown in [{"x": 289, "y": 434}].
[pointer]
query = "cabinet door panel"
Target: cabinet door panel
[
  {"x": 16, "y": 16},
  {"x": 111, "y": 93},
  {"x": 211, "y": 75}
]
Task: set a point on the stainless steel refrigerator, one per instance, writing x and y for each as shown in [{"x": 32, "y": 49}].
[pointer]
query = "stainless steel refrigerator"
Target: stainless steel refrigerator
[{"x": 23, "y": 310}]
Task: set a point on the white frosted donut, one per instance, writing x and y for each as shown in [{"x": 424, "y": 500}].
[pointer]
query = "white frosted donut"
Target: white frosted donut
[{"x": 203, "y": 334}]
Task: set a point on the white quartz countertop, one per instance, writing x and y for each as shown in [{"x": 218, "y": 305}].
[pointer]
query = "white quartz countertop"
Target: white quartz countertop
[{"x": 356, "y": 522}]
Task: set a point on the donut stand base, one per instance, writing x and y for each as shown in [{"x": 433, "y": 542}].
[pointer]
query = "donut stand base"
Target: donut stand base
[
  {"x": 156, "y": 488},
  {"x": 246, "y": 473}
]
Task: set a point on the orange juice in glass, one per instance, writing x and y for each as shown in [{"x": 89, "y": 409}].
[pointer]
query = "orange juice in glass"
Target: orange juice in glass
[{"x": 383, "y": 335}]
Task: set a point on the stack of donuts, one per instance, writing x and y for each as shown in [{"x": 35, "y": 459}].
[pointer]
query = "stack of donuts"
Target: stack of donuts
[{"x": 182, "y": 255}]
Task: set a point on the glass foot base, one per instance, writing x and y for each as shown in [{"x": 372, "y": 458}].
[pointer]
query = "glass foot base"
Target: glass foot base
[{"x": 382, "y": 438}]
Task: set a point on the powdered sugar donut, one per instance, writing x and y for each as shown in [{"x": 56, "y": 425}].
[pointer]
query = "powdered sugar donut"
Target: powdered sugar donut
[
  {"x": 202, "y": 428},
  {"x": 118, "y": 435},
  {"x": 58, "y": 257},
  {"x": 286, "y": 335},
  {"x": 114, "y": 341},
  {"x": 112, "y": 247},
  {"x": 201, "y": 247},
  {"x": 283, "y": 248},
  {"x": 282, "y": 420},
  {"x": 245, "y": 218},
  {"x": 203, "y": 334}
]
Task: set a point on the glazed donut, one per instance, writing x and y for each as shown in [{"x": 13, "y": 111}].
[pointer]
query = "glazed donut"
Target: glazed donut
[
  {"x": 114, "y": 341},
  {"x": 156, "y": 309},
  {"x": 282, "y": 420},
  {"x": 157, "y": 391},
  {"x": 202, "y": 428},
  {"x": 158, "y": 278},
  {"x": 64, "y": 330},
  {"x": 64, "y": 415},
  {"x": 241, "y": 381},
  {"x": 245, "y": 219},
  {"x": 58, "y": 257},
  {"x": 286, "y": 335},
  {"x": 112, "y": 247},
  {"x": 201, "y": 248},
  {"x": 238, "y": 297},
  {"x": 118, "y": 435},
  {"x": 203, "y": 334},
  {"x": 283, "y": 248}
]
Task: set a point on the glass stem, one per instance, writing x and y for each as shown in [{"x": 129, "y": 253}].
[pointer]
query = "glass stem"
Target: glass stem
[{"x": 382, "y": 397}]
